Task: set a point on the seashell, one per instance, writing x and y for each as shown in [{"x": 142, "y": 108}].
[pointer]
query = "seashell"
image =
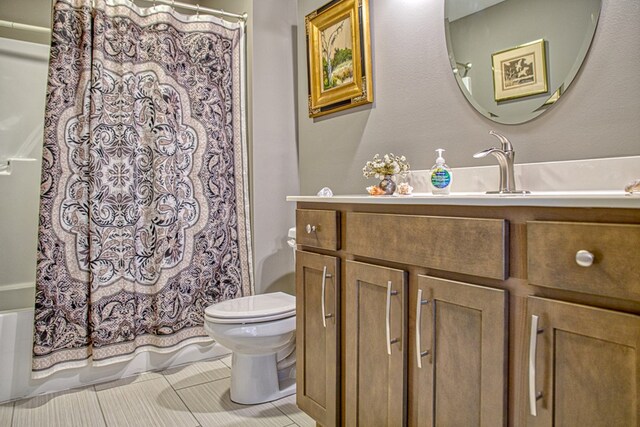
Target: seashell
[
  {"x": 374, "y": 190},
  {"x": 633, "y": 187},
  {"x": 404, "y": 189}
]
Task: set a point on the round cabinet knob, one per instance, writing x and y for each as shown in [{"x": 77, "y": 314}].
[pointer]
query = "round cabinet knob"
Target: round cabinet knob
[
  {"x": 310, "y": 228},
  {"x": 584, "y": 258}
]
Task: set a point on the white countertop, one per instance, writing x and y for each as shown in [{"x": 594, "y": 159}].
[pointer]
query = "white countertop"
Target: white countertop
[{"x": 581, "y": 199}]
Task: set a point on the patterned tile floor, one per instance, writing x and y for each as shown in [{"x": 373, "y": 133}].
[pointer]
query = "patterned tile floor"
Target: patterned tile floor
[{"x": 190, "y": 396}]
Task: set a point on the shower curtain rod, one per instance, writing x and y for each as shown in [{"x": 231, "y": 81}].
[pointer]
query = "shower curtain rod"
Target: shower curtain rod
[
  {"x": 25, "y": 27},
  {"x": 198, "y": 8}
]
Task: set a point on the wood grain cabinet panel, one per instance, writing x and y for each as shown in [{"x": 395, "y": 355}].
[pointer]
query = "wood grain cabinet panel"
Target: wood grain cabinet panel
[
  {"x": 458, "y": 368},
  {"x": 318, "y": 228},
  {"x": 317, "y": 336},
  {"x": 584, "y": 365},
  {"x": 408, "y": 346},
  {"x": 615, "y": 272},
  {"x": 474, "y": 246},
  {"x": 375, "y": 359}
]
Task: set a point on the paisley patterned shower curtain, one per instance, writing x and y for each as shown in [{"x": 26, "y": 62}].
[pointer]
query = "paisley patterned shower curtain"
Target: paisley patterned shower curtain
[{"x": 144, "y": 215}]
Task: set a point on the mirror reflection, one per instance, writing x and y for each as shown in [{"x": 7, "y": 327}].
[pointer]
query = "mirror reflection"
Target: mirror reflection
[{"x": 513, "y": 59}]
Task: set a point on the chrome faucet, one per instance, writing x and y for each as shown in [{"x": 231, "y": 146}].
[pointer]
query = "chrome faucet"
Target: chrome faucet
[{"x": 505, "y": 156}]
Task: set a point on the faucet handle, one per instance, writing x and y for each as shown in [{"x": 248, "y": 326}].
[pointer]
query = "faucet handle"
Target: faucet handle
[{"x": 505, "y": 144}]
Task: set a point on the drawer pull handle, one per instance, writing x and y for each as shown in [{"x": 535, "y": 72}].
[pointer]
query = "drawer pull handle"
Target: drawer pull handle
[
  {"x": 388, "y": 317},
  {"x": 584, "y": 258},
  {"x": 325, "y": 316},
  {"x": 533, "y": 342},
  {"x": 311, "y": 228},
  {"x": 419, "y": 303}
]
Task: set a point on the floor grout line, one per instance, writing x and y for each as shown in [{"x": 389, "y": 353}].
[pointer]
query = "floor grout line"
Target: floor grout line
[
  {"x": 104, "y": 418},
  {"x": 182, "y": 400},
  {"x": 285, "y": 414},
  {"x": 13, "y": 412}
]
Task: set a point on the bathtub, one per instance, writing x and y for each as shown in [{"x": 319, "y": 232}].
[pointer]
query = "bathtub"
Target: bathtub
[
  {"x": 19, "y": 187},
  {"x": 16, "y": 329}
]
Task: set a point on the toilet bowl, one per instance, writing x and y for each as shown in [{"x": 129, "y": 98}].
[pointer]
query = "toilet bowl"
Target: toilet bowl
[{"x": 260, "y": 331}]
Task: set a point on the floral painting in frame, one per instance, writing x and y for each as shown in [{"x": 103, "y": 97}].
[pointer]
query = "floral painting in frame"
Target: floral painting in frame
[
  {"x": 339, "y": 56},
  {"x": 520, "y": 71}
]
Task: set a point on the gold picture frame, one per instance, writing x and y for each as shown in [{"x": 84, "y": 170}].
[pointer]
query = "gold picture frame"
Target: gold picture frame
[
  {"x": 339, "y": 57},
  {"x": 520, "y": 71}
]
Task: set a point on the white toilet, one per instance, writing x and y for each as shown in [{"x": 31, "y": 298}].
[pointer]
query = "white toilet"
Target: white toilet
[{"x": 260, "y": 331}]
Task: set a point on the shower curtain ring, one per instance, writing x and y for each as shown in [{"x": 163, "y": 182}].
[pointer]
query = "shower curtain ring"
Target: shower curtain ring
[
  {"x": 198, "y": 11},
  {"x": 173, "y": 2}
]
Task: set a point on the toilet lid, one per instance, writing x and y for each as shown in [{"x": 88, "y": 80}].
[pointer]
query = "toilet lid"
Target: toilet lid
[{"x": 253, "y": 309}]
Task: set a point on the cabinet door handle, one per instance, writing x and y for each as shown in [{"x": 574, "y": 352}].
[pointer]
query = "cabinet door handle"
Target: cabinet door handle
[
  {"x": 311, "y": 228},
  {"x": 325, "y": 276},
  {"x": 533, "y": 342},
  {"x": 388, "y": 317},
  {"x": 584, "y": 258},
  {"x": 419, "y": 302}
]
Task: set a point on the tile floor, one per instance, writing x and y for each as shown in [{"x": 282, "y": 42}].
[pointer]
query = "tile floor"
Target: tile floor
[{"x": 190, "y": 396}]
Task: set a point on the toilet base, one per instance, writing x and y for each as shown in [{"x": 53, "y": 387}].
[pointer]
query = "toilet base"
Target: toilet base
[{"x": 254, "y": 379}]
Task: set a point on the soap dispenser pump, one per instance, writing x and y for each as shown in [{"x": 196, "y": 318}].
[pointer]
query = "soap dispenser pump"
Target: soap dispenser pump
[{"x": 441, "y": 175}]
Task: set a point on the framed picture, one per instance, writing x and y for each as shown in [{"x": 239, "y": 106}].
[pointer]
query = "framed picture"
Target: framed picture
[
  {"x": 520, "y": 71},
  {"x": 339, "y": 56}
]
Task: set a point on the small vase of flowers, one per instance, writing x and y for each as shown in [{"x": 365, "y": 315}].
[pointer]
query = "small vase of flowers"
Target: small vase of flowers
[{"x": 385, "y": 168}]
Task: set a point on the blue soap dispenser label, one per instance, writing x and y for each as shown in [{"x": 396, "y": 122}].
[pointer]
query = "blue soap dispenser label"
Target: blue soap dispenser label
[{"x": 440, "y": 178}]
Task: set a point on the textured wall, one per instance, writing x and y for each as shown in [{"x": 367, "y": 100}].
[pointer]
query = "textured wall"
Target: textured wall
[
  {"x": 418, "y": 105},
  {"x": 275, "y": 155}
]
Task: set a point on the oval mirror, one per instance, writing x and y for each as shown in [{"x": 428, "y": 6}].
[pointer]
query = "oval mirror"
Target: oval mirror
[{"x": 514, "y": 58}]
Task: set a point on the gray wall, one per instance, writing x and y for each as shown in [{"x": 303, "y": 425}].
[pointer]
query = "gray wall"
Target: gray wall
[
  {"x": 271, "y": 129},
  {"x": 418, "y": 106},
  {"x": 275, "y": 155}
]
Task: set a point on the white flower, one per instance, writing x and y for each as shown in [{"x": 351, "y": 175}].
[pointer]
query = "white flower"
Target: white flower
[{"x": 389, "y": 164}]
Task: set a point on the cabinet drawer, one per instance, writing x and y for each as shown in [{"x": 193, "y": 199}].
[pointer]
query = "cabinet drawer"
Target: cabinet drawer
[
  {"x": 472, "y": 246},
  {"x": 552, "y": 249},
  {"x": 318, "y": 228}
]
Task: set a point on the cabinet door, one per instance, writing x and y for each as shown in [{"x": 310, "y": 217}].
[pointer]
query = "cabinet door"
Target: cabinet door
[
  {"x": 317, "y": 336},
  {"x": 375, "y": 345},
  {"x": 583, "y": 365},
  {"x": 457, "y": 354}
]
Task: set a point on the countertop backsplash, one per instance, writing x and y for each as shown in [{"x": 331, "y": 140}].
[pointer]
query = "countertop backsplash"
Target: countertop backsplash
[{"x": 573, "y": 175}]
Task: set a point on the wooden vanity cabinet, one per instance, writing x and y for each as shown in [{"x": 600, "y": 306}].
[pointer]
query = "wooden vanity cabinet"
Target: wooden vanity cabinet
[
  {"x": 457, "y": 328},
  {"x": 463, "y": 286}
]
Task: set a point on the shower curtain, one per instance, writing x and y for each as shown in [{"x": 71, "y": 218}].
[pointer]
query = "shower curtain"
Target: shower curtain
[{"x": 144, "y": 214}]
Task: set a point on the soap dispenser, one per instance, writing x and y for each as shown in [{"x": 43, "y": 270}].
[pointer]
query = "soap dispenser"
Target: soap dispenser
[{"x": 440, "y": 175}]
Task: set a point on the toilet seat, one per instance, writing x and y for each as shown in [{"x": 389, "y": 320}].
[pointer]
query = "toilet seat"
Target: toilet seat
[{"x": 252, "y": 309}]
